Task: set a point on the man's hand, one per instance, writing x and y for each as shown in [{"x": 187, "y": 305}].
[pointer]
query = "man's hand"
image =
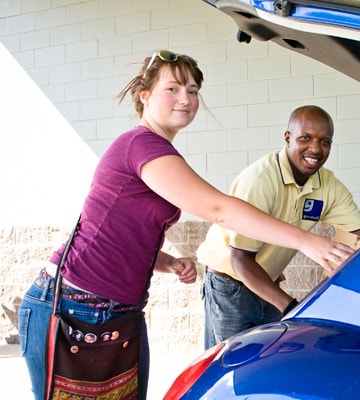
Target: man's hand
[{"x": 293, "y": 303}]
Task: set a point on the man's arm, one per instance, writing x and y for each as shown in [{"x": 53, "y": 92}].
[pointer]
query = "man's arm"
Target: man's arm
[{"x": 251, "y": 274}]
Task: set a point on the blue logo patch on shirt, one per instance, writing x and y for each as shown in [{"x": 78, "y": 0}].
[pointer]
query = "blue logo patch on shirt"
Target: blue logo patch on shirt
[{"x": 312, "y": 209}]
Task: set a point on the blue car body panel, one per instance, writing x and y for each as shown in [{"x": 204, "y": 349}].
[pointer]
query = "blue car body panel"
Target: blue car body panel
[
  {"x": 338, "y": 13},
  {"x": 312, "y": 354},
  {"x": 316, "y": 12},
  {"x": 327, "y": 31},
  {"x": 308, "y": 362}
]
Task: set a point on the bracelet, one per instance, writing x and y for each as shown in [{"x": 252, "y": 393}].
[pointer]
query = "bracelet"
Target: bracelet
[{"x": 293, "y": 303}]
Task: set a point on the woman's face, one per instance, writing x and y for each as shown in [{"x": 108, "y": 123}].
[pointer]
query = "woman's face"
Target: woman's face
[{"x": 170, "y": 106}]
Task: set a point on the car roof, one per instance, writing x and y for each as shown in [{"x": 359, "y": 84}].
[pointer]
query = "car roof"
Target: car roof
[{"x": 325, "y": 30}]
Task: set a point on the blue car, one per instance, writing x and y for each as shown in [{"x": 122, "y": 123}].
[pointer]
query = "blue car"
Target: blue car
[{"x": 313, "y": 353}]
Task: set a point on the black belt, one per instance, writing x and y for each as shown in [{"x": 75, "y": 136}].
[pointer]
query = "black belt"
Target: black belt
[{"x": 213, "y": 271}]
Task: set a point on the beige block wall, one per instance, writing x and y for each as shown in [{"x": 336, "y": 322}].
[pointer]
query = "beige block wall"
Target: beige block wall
[
  {"x": 23, "y": 251},
  {"x": 175, "y": 310}
]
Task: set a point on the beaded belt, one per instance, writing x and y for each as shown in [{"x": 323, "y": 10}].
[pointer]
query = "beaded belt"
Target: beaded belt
[{"x": 90, "y": 299}]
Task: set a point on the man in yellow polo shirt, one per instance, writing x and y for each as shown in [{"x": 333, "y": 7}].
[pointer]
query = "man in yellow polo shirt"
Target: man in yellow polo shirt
[{"x": 241, "y": 287}]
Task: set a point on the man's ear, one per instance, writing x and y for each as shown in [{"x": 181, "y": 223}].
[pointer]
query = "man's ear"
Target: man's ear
[{"x": 287, "y": 137}]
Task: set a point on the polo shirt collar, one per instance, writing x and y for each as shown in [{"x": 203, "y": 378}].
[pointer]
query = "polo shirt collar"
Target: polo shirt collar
[{"x": 313, "y": 182}]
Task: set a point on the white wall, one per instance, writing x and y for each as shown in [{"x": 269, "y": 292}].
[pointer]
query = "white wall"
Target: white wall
[{"x": 81, "y": 54}]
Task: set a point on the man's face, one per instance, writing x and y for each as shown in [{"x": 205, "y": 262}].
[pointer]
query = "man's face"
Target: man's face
[{"x": 308, "y": 145}]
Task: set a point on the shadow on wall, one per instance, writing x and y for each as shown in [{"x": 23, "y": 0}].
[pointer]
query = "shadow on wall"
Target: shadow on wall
[
  {"x": 40, "y": 152},
  {"x": 47, "y": 168}
]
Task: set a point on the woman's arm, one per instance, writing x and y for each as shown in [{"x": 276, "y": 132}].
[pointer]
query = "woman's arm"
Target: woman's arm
[{"x": 173, "y": 179}]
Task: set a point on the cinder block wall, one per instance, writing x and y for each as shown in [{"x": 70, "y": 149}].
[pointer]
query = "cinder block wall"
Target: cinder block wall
[
  {"x": 174, "y": 312},
  {"x": 23, "y": 251}
]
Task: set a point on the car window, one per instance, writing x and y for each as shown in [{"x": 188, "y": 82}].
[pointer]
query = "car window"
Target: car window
[{"x": 337, "y": 298}]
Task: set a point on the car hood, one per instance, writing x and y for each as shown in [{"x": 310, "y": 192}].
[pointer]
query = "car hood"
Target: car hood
[{"x": 325, "y": 30}]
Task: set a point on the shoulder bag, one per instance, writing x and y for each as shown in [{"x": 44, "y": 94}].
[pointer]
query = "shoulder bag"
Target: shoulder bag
[{"x": 86, "y": 361}]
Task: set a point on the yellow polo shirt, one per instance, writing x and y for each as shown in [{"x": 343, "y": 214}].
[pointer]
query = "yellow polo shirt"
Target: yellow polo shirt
[{"x": 269, "y": 185}]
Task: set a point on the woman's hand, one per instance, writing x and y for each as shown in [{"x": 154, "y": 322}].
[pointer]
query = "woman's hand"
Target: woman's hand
[
  {"x": 185, "y": 267},
  {"x": 323, "y": 251}
]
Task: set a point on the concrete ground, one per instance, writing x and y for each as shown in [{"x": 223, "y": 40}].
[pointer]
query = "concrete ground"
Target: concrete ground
[{"x": 15, "y": 382}]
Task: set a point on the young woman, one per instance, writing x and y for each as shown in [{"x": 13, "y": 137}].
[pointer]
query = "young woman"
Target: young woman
[{"x": 140, "y": 185}]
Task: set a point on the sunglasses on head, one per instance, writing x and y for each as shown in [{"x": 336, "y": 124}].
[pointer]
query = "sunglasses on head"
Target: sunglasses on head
[{"x": 167, "y": 56}]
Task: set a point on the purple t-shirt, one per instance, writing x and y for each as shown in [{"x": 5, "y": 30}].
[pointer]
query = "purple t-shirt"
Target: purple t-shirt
[{"x": 121, "y": 221}]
